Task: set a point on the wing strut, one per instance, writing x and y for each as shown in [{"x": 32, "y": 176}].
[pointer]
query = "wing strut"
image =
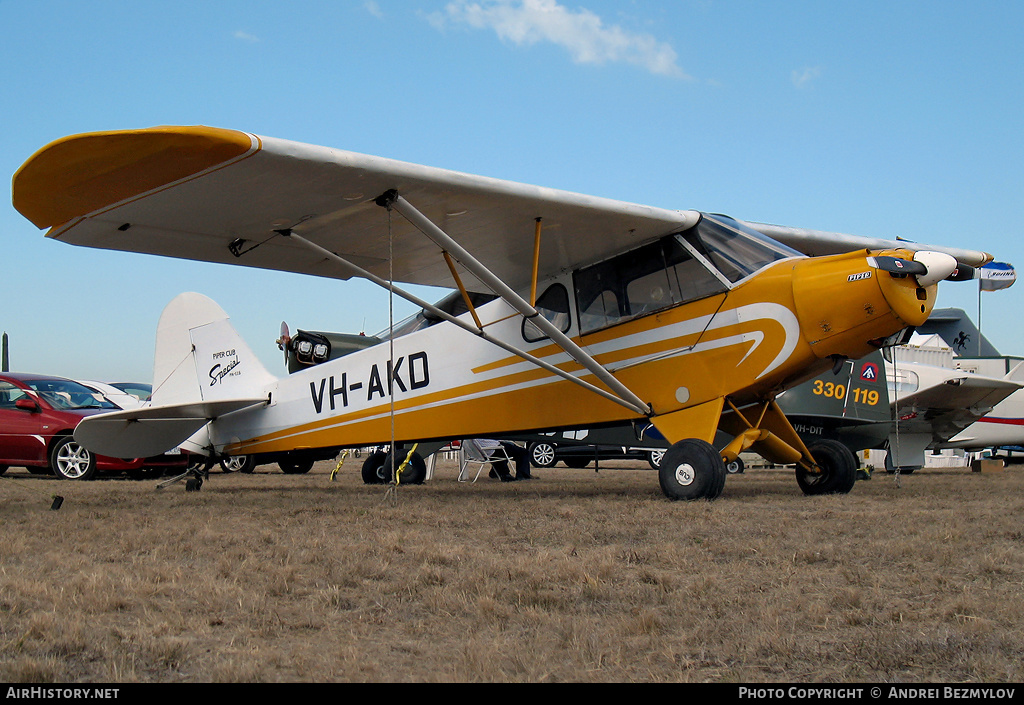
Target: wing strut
[
  {"x": 392, "y": 199},
  {"x": 358, "y": 271}
]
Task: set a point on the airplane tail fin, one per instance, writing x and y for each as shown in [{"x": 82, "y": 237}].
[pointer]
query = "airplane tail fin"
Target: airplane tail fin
[
  {"x": 200, "y": 357},
  {"x": 202, "y": 369}
]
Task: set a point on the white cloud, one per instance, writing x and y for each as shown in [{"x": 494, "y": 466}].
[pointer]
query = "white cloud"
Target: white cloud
[
  {"x": 373, "y": 8},
  {"x": 806, "y": 76},
  {"x": 246, "y": 37},
  {"x": 587, "y": 38}
]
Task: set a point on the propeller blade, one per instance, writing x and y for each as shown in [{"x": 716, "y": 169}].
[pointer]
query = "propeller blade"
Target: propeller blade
[
  {"x": 895, "y": 265},
  {"x": 962, "y": 273},
  {"x": 927, "y": 267},
  {"x": 284, "y": 340}
]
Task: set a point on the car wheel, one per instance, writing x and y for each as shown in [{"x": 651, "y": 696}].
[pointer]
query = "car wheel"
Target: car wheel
[
  {"x": 71, "y": 461},
  {"x": 3, "y": 469},
  {"x": 414, "y": 473},
  {"x": 238, "y": 463},
  {"x": 542, "y": 455},
  {"x": 735, "y": 467},
  {"x": 298, "y": 466}
]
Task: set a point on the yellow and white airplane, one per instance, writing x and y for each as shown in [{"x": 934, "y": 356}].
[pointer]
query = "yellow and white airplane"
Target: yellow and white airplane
[{"x": 571, "y": 311}]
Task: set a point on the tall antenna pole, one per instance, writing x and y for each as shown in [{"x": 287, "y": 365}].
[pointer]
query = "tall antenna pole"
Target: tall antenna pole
[{"x": 5, "y": 362}]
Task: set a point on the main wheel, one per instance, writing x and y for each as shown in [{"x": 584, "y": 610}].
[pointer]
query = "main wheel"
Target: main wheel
[
  {"x": 71, "y": 461},
  {"x": 542, "y": 454},
  {"x": 238, "y": 463},
  {"x": 415, "y": 471},
  {"x": 838, "y": 469},
  {"x": 373, "y": 468},
  {"x": 295, "y": 466},
  {"x": 692, "y": 469}
]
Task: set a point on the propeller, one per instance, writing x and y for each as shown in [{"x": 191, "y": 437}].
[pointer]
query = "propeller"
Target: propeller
[
  {"x": 926, "y": 267},
  {"x": 284, "y": 341}
]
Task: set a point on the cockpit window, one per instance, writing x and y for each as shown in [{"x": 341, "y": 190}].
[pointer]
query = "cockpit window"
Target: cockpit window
[
  {"x": 648, "y": 279},
  {"x": 736, "y": 250}
]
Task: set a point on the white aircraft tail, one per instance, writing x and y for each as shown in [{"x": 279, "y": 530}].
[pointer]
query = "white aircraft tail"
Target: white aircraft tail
[
  {"x": 200, "y": 357},
  {"x": 202, "y": 369}
]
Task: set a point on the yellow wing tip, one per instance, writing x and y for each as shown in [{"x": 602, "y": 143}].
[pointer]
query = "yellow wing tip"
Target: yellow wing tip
[{"x": 80, "y": 174}]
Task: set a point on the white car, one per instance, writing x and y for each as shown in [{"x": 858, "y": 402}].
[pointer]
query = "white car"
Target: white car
[{"x": 112, "y": 394}]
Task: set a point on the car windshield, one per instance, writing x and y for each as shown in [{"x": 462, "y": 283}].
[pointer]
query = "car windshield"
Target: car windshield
[
  {"x": 138, "y": 390},
  {"x": 65, "y": 394}
]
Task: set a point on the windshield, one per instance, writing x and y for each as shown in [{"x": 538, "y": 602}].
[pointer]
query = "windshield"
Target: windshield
[
  {"x": 736, "y": 250},
  {"x": 65, "y": 394},
  {"x": 138, "y": 390}
]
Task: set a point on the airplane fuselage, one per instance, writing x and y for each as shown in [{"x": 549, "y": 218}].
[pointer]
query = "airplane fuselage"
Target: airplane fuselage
[{"x": 769, "y": 331}]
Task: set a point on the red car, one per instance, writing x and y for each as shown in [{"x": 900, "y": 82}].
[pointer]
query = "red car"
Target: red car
[{"x": 38, "y": 415}]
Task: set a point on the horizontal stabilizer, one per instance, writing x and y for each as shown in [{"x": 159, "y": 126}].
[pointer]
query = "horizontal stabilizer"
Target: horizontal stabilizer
[{"x": 152, "y": 430}]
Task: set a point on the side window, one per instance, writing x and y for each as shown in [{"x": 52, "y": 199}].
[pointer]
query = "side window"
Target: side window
[
  {"x": 9, "y": 394},
  {"x": 553, "y": 305}
]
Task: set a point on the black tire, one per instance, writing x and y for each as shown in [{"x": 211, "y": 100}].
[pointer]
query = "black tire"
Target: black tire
[
  {"x": 576, "y": 462},
  {"x": 415, "y": 472},
  {"x": 3, "y": 469},
  {"x": 735, "y": 467},
  {"x": 295, "y": 466},
  {"x": 70, "y": 461},
  {"x": 238, "y": 463},
  {"x": 373, "y": 468},
  {"x": 542, "y": 454},
  {"x": 692, "y": 469},
  {"x": 655, "y": 458},
  {"x": 838, "y": 465}
]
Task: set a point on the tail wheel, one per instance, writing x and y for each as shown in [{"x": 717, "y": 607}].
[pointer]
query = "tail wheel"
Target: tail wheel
[
  {"x": 838, "y": 469},
  {"x": 692, "y": 469},
  {"x": 71, "y": 461}
]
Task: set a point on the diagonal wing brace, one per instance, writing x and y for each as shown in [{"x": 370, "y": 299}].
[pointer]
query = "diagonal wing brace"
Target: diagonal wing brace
[
  {"x": 356, "y": 270},
  {"x": 627, "y": 398}
]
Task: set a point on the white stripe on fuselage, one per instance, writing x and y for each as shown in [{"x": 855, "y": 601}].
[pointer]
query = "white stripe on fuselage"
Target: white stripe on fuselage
[{"x": 722, "y": 319}]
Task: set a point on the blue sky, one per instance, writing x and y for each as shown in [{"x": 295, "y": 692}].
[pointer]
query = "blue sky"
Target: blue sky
[{"x": 895, "y": 118}]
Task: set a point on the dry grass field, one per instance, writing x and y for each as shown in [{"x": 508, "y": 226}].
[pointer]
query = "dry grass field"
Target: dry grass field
[{"x": 574, "y": 576}]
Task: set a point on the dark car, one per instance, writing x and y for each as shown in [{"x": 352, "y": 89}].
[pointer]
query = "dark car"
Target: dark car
[
  {"x": 544, "y": 454},
  {"x": 38, "y": 416}
]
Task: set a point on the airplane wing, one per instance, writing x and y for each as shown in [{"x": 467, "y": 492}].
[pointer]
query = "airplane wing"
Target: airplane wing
[
  {"x": 946, "y": 408},
  {"x": 226, "y": 196}
]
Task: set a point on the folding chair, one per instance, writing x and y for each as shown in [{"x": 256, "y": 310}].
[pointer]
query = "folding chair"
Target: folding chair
[{"x": 470, "y": 451}]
